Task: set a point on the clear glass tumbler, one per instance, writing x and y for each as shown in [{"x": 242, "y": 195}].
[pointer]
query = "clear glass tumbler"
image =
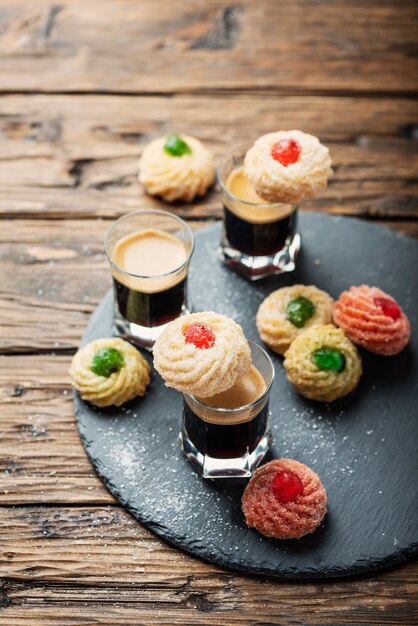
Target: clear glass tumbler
[
  {"x": 145, "y": 303},
  {"x": 259, "y": 239},
  {"x": 225, "y": 443}
]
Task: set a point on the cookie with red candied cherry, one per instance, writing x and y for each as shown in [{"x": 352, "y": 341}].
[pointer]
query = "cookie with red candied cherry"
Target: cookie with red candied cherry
[
  {"x": 372, "y": 319},
  {"x": 288, "y": 166},
  {"x": 202, "y": 354},
  {"x": 284, "y": 499}
]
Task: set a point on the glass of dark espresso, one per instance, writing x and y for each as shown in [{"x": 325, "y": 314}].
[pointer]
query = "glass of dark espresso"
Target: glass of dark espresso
[
  {"x": 228, "y": 434},
  {"x": 149, "y": 253},
  {"x": 259, "y": 238}
]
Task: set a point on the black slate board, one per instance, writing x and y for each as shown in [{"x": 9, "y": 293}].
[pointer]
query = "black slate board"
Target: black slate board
[{"x": 364, "y": 446}]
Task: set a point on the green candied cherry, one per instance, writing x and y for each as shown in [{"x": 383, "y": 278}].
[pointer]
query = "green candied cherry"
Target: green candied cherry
[
  {"x": 176, "y": 147},
  {"x": 329, "y": 359},
  {"x": 299, "y": 310},
  {"x": 107, "y": 361}
]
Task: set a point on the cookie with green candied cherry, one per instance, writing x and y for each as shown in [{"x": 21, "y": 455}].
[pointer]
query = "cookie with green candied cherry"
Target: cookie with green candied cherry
[
  {"x": 288, "y": 311},
  {"x": 176, "y": 167},
  {"x": 323, "y": 364},
  {"x": 109, "y": 372}
]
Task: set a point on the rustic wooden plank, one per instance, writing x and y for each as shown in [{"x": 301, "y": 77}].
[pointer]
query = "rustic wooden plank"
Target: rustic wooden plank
[
  {"x": 54, "y": 273},
  {"x": 65, "y": 564},
  {"x": 128, "y": 613},
  {"x": 88, "y": 545},
  {"x": 140, "y": 47},
  {"x": 77, "y": 156},
  {"x": 41, "y": 455}
]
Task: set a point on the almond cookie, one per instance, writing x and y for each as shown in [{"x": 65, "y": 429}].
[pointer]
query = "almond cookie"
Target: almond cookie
[
  {"x": 109, "y": 372},
  {"x": 176, "y": 167},
  {"x": 323, "y": 364},
  {"x": 288, "y": 311},
  {"x": 202, "y": 354},
  {"x": 288, "y": 166},
  {"x": 284, "y": 499},
  {"x": 372, "y": 319}
]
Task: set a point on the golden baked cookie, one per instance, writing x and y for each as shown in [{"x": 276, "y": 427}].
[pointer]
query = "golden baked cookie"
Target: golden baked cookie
[
  {"x": 288, "y": 166},
  {"x": 202, "y": 354},
  {"x": 176, "y": 167},
  {"x": 323, "y": 364},
  {"x": 288, "y": 311},
  {"x": 109, "y": 372},
  {"x": 372, "y": 319}
]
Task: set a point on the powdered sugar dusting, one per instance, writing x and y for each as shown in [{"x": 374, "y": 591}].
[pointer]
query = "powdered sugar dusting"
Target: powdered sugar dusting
[{"x": 354, "y": 444}]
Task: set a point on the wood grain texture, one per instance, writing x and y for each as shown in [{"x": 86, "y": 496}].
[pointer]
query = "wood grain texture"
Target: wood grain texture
[
  {"x": 77, "y": 156},
  {"x": 225, "y": 72},
  {"x": 139, "y": 47},
  {"x": 41, "y": 456},
  {"x": 66, "y": 564}
]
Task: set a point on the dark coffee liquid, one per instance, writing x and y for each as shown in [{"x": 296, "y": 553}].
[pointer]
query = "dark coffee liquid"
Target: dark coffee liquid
[
  {"x": 149, "y": 294},
  {"x": 150, "y": 309},
  {"x": 259, "y": 239},
  {"x": 225, "y": 442},
  {"x": 253, "y": 226}
]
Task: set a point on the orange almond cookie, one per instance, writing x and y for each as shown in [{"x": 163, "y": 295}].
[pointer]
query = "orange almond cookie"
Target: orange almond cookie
[
  {"x": 372, "y": 319},
  {"x": 284, "y": 499}
]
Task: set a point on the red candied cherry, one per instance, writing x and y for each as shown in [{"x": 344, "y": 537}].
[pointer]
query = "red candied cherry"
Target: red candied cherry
[
  {"x": 199, "y": 335},
  {"x": 286, "y": 151},
  {"x": 389, "y": 307},
  {"x": 287, "y": 486}
]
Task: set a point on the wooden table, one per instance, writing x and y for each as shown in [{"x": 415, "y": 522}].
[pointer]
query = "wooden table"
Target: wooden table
[{"x": 85, "y": 85}]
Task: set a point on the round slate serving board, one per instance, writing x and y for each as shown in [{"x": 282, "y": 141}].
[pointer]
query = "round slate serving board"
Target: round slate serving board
[{"x": 364, "y": 446}]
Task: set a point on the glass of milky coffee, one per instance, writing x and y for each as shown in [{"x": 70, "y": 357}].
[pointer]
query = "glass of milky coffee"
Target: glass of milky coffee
[
  {"x": 228, "y": 435},
  {"x": 259, "y": 238},
  {"x": 149, "y": 253}
]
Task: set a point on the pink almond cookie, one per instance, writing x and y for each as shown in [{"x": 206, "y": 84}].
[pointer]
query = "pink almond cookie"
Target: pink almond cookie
[
  {"x": 372, "y": 319},
  {"x": 284, "y": 499}
]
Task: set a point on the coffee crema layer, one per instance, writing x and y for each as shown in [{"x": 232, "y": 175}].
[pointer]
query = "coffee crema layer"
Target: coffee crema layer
[
  {"x": 248, "y": 205},
  {"x": 147, "y": 260},
  {"x": 246, "y": 390}
]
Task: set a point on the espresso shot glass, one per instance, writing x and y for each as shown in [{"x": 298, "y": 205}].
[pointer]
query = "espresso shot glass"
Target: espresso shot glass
[
  {"x": 149, "y": 253},
  {"x": 259, "y": 238},
  {"x": 229, "y": 441}
]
